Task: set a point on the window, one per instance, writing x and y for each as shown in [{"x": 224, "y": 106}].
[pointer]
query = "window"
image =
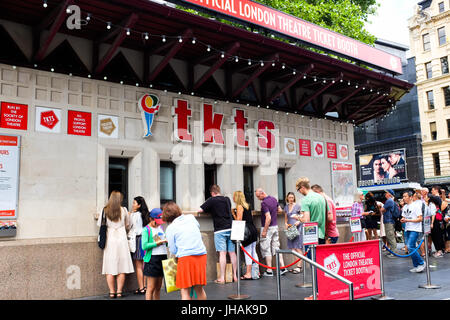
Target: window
[
  {"x": 281, "y": 186},
  {"x": 210, "y": 178},
  {"x": 436, "y": 164},
  {"x": 430, "y": 98},
  {"x": 118, "y": 178},
  {"x": 448, "y": 127},
  {"x": 446, "y": 95},
  {"x": 441, "y": 7},
  {"x": 429, "y": 70},
  {"x": 444, "y": 65},
  {"x": 167, "y": 182},
  {"x": 426, "y": 42},
  {"x": 433, "y": 131},
  {"x": 248, "y": 187},
  {"x": 441, "y": 35}
]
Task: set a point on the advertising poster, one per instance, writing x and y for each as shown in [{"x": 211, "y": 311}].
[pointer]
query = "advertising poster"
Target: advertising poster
[
  {"x": 290, "y": 147},
  {"x": 355, "y": 225},
  {"x": 310, "y": 233},
  {"x": 343, "y": 152},
  {"x": 48, "y": 120},
  {"x": 14, "y": 116},
  {"x": 343, "y": 186},
  {"x": 79, "y": 123},
  {"x": 382, "y": 168},
  {"x": 319, "y": 150},
  {"x": 357, "y": 262},
  {"x": 331, "y": 150},
  {"x": 9, "y": 175},
  {"x": 108, "y": 126},
  {"x": 305, "y": 147}
]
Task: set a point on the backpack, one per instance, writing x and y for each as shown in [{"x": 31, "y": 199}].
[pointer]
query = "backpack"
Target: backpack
[{"x": 397, "y": 217}]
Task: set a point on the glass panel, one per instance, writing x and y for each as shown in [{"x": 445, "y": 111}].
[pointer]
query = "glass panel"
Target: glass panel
[
  {"x": 166, "y": 185},
  {"x": 444, "y": 65},
  {"x": 426, "y": 42},
  {"x": 441, "y": 35},
  {"x": 430, "y": 100},
  {"x": 447, "y": 95},
  {"x": 280, "y": 187}
]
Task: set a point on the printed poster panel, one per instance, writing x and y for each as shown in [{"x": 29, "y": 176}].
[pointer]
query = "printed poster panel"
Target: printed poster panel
[
  {"x": 357, "y": 262},
  {"x": 48, "y": 120},
  {"x": 343, "y": 185},
  {"x": 355, "y": 225},
  {"x": 290, "y": 147},
  {"x": 79, "y": 123},
  {"x": 108, "y": 126},
  {"x": 319, "y": 149},
  {"x": 310, "y": 233},
  {"x": 305, "y": 147},
  {"x": 14, "y": 116},
  {"x": 331, "y": 150},
  {"x": 9, "y": 176},
  {"x": 382, "y": 168},
  {"x": 343, "y": 152}
]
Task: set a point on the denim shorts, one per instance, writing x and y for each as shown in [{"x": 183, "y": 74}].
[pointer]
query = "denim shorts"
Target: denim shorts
[{"x": 223, "y": 242}]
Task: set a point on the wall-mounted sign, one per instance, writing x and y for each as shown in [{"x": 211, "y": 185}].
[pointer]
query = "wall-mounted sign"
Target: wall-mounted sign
[
  {"x": 48, "y": 120},
  {"x": 382, "y": 168},
  {"x": 305, "y": 147},
  {"x": 342, "y": 184},
  {"x": 319, "y": 149},
  {"x": 108, "y": 126},
  {"x": 14, "y": 116},
  {"x": 290, "y": 147},
  {"x": 285, "y": 24},
  {"x": 79, "y": 123},
  {"x": 149, "y": 105},
  {"x": 331, "y": 150},
  {"x": 9, "y": 176},
  {"x": 343, "y": 152}
]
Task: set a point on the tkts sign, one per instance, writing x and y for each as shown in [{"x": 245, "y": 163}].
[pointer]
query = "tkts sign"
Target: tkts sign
[{"x": 212, "y": 126}]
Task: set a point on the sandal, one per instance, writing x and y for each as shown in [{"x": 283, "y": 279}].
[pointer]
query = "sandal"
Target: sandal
[
  {"x": 245, "y": 278},
  {"x": 219, "y": 281},
  {"x": 140, "y": 291},
  {"x": 112, "y": 295},
  {"x": 119, "y": 295},
  {"x": 296, "y": 270}
]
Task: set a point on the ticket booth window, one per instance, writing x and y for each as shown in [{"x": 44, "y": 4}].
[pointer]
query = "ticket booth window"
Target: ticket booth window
[
  {"x": 249, "y": 191},
  {"x": 167, "y": 182},
  {"x": 281, "y": 186},
  {"x": 210, "y": 178},
  {"x": 118, "y": 178}
]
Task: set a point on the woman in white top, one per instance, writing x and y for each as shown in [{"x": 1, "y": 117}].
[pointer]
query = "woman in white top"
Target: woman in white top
[
  {"x": 116, "y": 255},
  {"x": 139, "y": 218}
]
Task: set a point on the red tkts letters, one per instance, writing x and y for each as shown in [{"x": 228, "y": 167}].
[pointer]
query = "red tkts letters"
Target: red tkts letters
[
  {"x": 181, "y": 114},
  {"x": 212, "y": 125}
]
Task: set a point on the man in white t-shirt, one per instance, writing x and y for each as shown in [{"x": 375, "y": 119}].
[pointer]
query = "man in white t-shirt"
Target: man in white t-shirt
[{"x": 412, "y": 216}]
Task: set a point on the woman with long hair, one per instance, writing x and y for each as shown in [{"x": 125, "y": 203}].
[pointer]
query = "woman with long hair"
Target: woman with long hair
[
  {"x": 139, "y": 218},
  {"x": 116, "y": 255},
  {"x": 242, "y": 212},
  {"x": 372, "y": 215},
  {"x": 292, "y": 212}
]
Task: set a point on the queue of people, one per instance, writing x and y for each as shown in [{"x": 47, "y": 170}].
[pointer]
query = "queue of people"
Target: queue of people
[{"x": 137, "y": 242}]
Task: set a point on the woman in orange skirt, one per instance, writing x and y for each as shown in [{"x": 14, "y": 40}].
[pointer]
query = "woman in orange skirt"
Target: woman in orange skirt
[{"x": 185, "y": 242}]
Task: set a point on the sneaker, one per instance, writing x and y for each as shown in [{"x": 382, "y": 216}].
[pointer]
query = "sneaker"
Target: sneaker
[
  {"x": 268, "y": 274},
  {"x": 390, "y": 255},
  {"x": 421, "y": 267},
  {"x": 283, "y": 271},
  {"x": 414, "y": 270}
]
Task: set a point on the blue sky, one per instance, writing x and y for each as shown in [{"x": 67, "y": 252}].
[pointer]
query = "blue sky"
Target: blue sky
[{"x": 391, "y": 21}]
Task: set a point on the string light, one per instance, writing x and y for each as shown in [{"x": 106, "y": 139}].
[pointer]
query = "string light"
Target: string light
[
  {"x": 108, "y": 26},
  {"x": 194, "y": 40},
  {"x": 163, "y": 38},
  {"x": 128, "y": 31},
  {"x": 45, "y": 4}
]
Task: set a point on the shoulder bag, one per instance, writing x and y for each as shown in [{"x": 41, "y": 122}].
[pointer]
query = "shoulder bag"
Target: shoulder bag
[{"x": 102, "y": 232}]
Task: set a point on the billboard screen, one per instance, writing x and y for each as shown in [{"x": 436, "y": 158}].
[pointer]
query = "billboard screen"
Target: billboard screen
[{"x": 382, "y": 168}]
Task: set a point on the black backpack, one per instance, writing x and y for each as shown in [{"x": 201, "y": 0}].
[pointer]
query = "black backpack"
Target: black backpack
[{"x": 397, "y": 217}]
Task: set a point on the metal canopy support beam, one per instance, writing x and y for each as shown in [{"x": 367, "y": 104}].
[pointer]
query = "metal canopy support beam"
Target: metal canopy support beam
[
  {"x": 255, "y": 74},
  {"x": 173, "y": 51},
  {"x": 366, "y": 106},
  {"x": 318, "y": 93},
  {"x": 130, "y": 21},
  {"x": 292, "y": 82},
  {"x": 371, "y": 116},
  {"x": 340, "y": 102},
  {"x": 58, "y": 21},
  {"x": 229, "y": 51}
]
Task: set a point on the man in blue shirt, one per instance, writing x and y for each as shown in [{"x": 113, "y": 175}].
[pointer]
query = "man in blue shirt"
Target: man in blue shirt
[{"x": 389, "y": 214}]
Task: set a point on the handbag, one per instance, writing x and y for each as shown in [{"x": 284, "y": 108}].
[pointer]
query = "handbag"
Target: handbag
[
  {"x": 102, "y": 232},
  {"x": 292, "y": 232},
  {"x": 132, "y": 241},
  {"x": 170, "y": 274}
]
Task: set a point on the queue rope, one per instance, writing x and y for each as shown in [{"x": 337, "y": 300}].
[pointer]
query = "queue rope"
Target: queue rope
[
  {"x": 267, "y": 267},
  {"x": 405, "y": 256}
]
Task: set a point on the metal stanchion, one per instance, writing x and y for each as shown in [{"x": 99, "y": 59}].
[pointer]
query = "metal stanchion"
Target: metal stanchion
[
  {"x": 238, "y": 296},
  {"x": 428, "y": 285},
  {"x": 304, "y": 284},
  {"x": 313, "y": 272},
  {"x": 383, "y": 295},
  {"x": 277, "y": 261}
]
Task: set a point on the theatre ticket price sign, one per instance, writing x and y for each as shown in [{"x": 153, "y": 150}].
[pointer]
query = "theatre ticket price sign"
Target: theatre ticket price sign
[
  {"x": 357, "y": 262},
  {"x": 9, "y": 176}
]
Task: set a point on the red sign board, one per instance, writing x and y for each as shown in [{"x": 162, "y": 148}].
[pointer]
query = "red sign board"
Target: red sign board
[
  {"x": 14, "y": 116},
  {"x": 357, "y": 262},
  {"x": 49, "y": 119},
  {"x": 266, "y": 17},
  {"x": 8, "y": 141},
  {"x": 79, "y": 123},
  {"x": 305, "y": 147},
  {"x": 331, "y": 150}
]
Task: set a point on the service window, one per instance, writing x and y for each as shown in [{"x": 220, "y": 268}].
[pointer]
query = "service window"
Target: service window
[{"x": 167, "y": 182}]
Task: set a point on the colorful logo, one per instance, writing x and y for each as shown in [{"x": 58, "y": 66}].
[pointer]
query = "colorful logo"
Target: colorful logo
[{"x": 149, "y": 105}]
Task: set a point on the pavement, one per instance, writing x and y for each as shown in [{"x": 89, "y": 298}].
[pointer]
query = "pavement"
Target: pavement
[{"x": 400, "y": 284}]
